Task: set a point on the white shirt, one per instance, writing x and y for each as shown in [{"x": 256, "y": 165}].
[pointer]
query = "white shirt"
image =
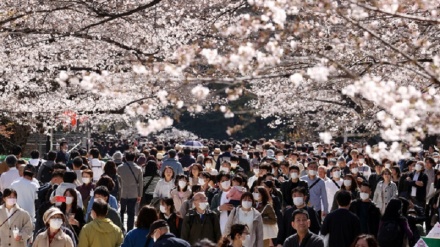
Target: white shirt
[
  {"x": 252, "y": 180},
  {"x": 331, "y": 189},
  {"x": 27, "y": 194},
  {"x": 7, "y": 178},
  {"x": 97, "y": 168},
  {"x": 223, "y": 214},
  {"x": 35, "y": 162},
  {"x": 414, "y": 188},
  {"x": 246, "y": 218},
  {"x": 9, "y": 213}
]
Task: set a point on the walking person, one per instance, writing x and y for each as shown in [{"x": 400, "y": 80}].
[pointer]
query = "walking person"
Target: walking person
[
  {"x": 15, "y": 223},
  {"x": 132, "y": 188},
  {"x": 303, "y": 237},
  {"x": 385, "y": 191},
  {"x": 54, "y": 236},
  {"x": 342, "y": 225}
]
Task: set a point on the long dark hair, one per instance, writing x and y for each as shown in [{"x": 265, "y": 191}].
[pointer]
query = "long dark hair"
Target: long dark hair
[
  {"x": 147, "y": 215},
  {"x": 74, "y": 202},
  {"x": 393, "y": 211},
  {"x": 371, "y": 241},
  {"x": 110, "y": 168}
]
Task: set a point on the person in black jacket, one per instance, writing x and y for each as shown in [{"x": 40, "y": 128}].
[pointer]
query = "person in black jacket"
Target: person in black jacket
[
  {"x": 289, "y": 185},
  {"x": 417, "y": 182},
  {"x": 168, "y": 213},
  {"x": 342, "y": 225},
  {"x": 368, "y": 213},
  {"x": 299, "y": 195},
  {"x": 375, "y": 178}
]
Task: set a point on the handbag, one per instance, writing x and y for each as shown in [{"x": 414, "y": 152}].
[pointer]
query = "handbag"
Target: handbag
[{"x": 269, "y": 230}]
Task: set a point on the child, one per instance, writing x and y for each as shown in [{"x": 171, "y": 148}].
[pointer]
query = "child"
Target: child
[{"x": 234, "y": 195}]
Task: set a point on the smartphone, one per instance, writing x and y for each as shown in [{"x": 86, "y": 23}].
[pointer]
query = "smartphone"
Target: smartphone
[{"x": 60, "y": 199}]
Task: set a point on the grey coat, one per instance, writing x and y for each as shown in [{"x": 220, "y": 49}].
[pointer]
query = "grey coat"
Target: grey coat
[
  {"x": 382, "y": 198},
  {"x": 130, "y": 188}
]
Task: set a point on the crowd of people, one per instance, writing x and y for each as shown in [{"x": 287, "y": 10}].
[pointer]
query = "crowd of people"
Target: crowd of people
[{"x": 261, "y": 193}]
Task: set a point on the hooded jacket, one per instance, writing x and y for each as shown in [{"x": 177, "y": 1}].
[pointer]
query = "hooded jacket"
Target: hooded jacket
[{"x": 100, "y": 232}]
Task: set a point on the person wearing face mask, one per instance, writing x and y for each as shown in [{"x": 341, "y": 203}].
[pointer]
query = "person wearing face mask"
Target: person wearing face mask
[
  {"x": 289, "y": 185},
  {"x": 303, "y": 237},
  {"x": 73, "y": 213},
  {"x": 354, "y": 170},
  {"x": 367, "y": 211},
  {"x": 417, "y": 182},
  {"x": 239, "y": 234},
  {"x": 286, "y": 229},
  {"x": 181, "y": 193},
  {"x": 220, "y": 204},
  {"x": 334, "y": 184},
  {"x": 363, "y": 167},
  {"x": 385, "y": 191},
  {"x": 101, "y": 232},
  {"x": 225, "y": 167},
  {"x": 264, "y": 206},
  {"x": 168, "y": 213},
  {"x": 256, "y": 171},
  {"x": 235, "y": 167},
  {"x": 200, "y": 222},
  {"x": 349, "y": 184},
  {"x": 13, "y": 218},
  {"x": 317, "y": 191},
  {"x": 248, "y": 215},
  {"x": 160, "y": 233},
  {"x": 87, "y": 185},
  {"x": 209, "y": 166},
  {"x": 69, "y": 178},
  {"x": 225, "y": 156},
  {"x": 136, "y": 237},
  {"x": 54, "y": 235}
]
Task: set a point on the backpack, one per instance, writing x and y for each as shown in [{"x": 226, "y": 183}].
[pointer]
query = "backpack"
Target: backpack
[
  {"x": 46, "y": 173},
  {"x": 390, "y": 234}
]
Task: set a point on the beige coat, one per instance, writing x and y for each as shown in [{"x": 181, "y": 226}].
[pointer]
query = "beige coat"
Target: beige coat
[
  {"x": 60, "y": 240},
  {"x": 21, "y": 220}
]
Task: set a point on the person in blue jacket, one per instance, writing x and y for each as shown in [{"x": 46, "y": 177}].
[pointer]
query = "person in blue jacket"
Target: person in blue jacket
[{"x": 140, "y": 235}]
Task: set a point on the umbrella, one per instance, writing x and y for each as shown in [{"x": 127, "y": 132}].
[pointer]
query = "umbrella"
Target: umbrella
[{"x": 194, "y": 144}]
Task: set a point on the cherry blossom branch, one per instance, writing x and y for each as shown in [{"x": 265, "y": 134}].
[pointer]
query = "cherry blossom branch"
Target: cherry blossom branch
[
  {"x": 431, "y": 76},
  {"x": 397, "y": 14},
  {"x": 127, "y": 13}
]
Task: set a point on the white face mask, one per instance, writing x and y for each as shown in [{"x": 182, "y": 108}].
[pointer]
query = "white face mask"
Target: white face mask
[
  {"x": 361, "y": 161},
  {"x": 203, "y": 205},
  {"x": 298, "y": 201},
  {"x": 354, "y": 170},
  {"x": 224, "y": 169},
  {"x": 247, "y": 238},
  {"x": 201, "y": 181},
  {"x": 418, "y": 167},
  {"x": 294, "y": 175},
  {"x": 312, "y": 172},
  {"x": 226, "y": 184},
  {"x": 256, "y": 171},
  {"x": 246, "y": 204},
  {"x": 233, "y": 165},
  {"x": 256, "y": 196},
  {"x": 364, "y": 196},
  {"x": 86, "y": 180},
  {"x": 337, "y": 174},
  {"x": 182, "y": 184},
  {"x": 321, "y": 162},
  {"x": 11, "y": 201},
  {"x": 162, "y": 209},
  {"x": 69, "y": 200},
  {"x": 208, "y": 165},
  {"x": 347, "y": 183},
  {"x": 55, "y": 223},
  {"x": 387, "y": 165},
  {"x": 280, "y": 158}
]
